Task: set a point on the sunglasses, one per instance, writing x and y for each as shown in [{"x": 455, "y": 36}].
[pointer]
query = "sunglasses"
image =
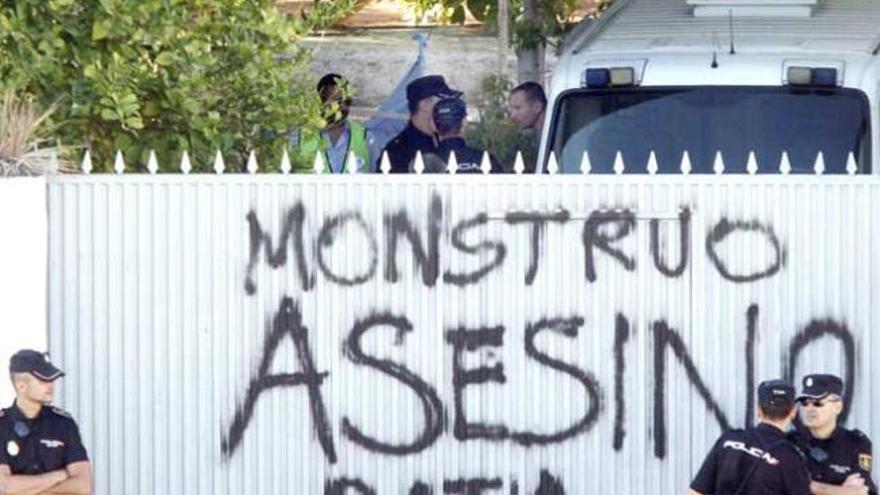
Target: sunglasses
[{"x": 817, "y": 402}]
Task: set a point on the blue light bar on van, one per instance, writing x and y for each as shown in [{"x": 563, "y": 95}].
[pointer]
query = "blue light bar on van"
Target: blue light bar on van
[
  {"x": 812, "y": 76},
  {"x": 613, "y": 77}
]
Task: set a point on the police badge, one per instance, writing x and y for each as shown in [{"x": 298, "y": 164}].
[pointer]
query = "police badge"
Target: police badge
[
  {"x": 865, "y": 462},
  {"x": 12, "y": 448}
]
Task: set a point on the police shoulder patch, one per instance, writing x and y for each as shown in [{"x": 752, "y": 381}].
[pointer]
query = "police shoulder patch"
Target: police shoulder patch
[
  {"x": 61, "y": 412},
  {"x": 865, "y": 461}
]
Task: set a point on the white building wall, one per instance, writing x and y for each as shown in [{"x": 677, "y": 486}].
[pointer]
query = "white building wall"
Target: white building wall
[
  {"x": 23, "y": 262},
  {"x": 163, "y": 303}
]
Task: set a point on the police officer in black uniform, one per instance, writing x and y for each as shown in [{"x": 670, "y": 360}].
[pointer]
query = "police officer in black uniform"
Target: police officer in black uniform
[
  {"x": 449, "y": 115},
  {"x": 40, "y": 447},
  {"x": 421, "y": 95},
  {"x": 760, "y": 461},
  {"x": 839, "y": 459}
]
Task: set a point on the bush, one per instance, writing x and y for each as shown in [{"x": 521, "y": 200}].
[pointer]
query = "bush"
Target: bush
[
  {"x": 168, "y": 75},
  {"x": 24, "y": 149}
]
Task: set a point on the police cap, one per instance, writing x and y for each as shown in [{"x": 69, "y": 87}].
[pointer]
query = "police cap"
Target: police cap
[
  {"x": 775, "y": 393},
  {"x": 428, "y": 86},
  {"x": 820, "y": 386},
  {"x": 449, "y": 113},
  {"x": 35, "y": 363}
]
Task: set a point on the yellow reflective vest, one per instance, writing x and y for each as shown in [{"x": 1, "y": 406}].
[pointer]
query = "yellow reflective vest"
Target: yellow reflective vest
[{"x": 314, "y": 143}]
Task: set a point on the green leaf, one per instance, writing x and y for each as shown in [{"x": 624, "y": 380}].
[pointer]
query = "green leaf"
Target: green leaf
[
  {"x": 91, "y": 72},
  {"x": 128, "y": 99},
  {"x": 134, "y": 123},
  {"x": 165, "y": 58},
  {"x": 100, "y": 30}
]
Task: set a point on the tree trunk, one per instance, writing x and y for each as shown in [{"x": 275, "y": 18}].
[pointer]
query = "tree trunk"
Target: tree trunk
[
  {"x": 530, "y": 61},
  {"x": 503, "y": 36}
]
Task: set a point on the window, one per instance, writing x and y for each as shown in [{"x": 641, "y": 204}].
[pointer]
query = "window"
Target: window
[{"x": 705, "y": 120}]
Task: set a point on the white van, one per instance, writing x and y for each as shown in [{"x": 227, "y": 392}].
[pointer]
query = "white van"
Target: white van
[{"x": 776, "y": 80}]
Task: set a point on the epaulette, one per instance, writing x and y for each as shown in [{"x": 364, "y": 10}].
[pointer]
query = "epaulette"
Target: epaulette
[
  {"x": 799, "y": 449},
  {"x": 61, "y": 412},
  {"x": 860, "y": 435}
]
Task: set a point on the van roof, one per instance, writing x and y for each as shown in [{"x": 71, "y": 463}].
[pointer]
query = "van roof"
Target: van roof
[{"x": 842, "y": 26}]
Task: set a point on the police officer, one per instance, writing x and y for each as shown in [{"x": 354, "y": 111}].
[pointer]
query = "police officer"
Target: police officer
[
  {"x": 41, "y": 448},
  {"x": 839, "y": 459},
  {"x": 421, "y": 96},
  {"x": 760, "y": 461},
  {"x": 449, "y": 115},
  {"x": 527, "y": 104}
]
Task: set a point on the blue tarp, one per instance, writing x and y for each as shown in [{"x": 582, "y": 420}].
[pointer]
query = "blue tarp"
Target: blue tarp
[{"x": 393, "y": 114}]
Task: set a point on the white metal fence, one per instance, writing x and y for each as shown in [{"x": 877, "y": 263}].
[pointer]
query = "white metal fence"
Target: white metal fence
[
  {"x": 274, "y": 334},
  {"x": 584, "y": 166}
]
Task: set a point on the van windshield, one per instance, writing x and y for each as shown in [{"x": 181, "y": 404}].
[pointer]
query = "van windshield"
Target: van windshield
[{"x": 705, "y": 120}]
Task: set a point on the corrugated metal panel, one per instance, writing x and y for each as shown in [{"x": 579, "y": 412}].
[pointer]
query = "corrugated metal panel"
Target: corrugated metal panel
[
  {"x": 151, "y": 316},
  {"x": 842, "y": 25}
]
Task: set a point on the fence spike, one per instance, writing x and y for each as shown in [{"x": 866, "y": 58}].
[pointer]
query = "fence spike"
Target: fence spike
[
  {"x": 586, "y": 164},
  {"x": 686, "y": 166},
  {"x": 619, "y": 166},
  {"x": 851, "y": 166},
  {"x": 486, "y": 164},
  {"x": 519, "y": 165},
  {"x": 718, "y": 166},
  {"x": 385, "y": 164},
  {"x": 252, "y": 166},
  {"x": 219, "y": 166},
  {"x": 752, "y": 165},
  {"x": 319, "y": 165},
  {"x": 785, "y": 164},
  {"x": 419, "y": 163},
  {"x": 152, "y": 163},
  {"x": 452, "y": 165},
  {"x": 119, "y": 163},
  {"x": 652, "y": 163},
  {"x": 54, "y": 164},
  {"x": 351, "y": 162},
  {"x": 552, "y": 164},
  {"x": 87, "y": 162},
  {"x": 185, "y": 165},
  {"x": 819, "y": 167},
  {"x": 285, "y": 162}
]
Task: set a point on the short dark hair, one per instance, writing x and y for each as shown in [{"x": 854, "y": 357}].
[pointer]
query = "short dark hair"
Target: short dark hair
[
  {"x": 329, "y": 80},
  {"x": 533, "y": 92},
  {"x": 776, "y": 411}
]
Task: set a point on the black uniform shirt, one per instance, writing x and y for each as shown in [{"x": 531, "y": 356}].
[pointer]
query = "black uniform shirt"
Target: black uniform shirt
[
  {"x": 35, "y": 446},
  {"x": 469, "y": 159},
  {"x": 833, "y": 459},
  {"x": 763, "y": 455},
  {"x": 402, "y": 149}
]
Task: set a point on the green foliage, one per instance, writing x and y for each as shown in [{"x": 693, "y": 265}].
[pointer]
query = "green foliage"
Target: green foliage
[
  {"x": 169, "y": 75},
  {"x": 550, "y": 26},
  {"x": 495, "y": 132}
]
